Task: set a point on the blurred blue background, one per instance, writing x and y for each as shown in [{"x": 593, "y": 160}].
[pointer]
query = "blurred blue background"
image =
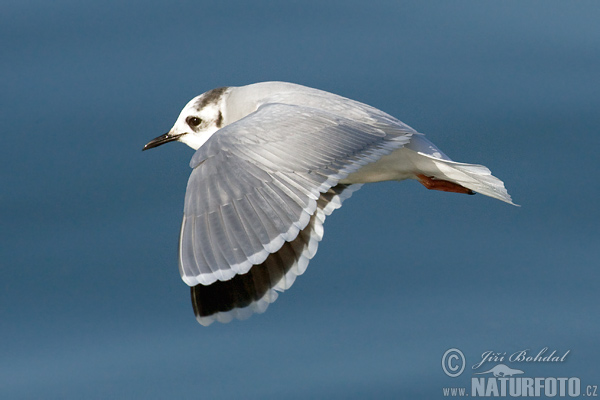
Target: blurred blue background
[{"x": 91, "y": 302}]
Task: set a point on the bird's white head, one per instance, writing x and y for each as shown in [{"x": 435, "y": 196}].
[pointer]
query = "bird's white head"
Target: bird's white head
[{"x": 197, "y": 122}]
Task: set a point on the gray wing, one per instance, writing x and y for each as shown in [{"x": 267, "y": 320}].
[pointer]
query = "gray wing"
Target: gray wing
[
  {"x": 256, "y": 183},
  {"x": 252, "y": 292}
]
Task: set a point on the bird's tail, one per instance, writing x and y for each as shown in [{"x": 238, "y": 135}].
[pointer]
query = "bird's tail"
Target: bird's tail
[
  {"x": 477, "y": 178},
  {"x": 433, "y": 163}
]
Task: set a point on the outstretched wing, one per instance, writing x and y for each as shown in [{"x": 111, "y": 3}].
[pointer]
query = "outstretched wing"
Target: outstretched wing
[
  {"x": 252, "y": 292},
  {"x": 256, "y": 183}
]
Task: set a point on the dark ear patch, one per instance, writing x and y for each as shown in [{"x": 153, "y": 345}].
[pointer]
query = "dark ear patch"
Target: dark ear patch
[
  {"x": 212, "y": 96},
  {"x": 219, "y": 121}
]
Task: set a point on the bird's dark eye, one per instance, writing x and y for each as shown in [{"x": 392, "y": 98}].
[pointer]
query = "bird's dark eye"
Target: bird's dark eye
[{"x": 193, "y": 121}]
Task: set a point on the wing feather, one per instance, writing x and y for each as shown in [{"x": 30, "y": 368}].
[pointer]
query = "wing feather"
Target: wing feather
[
  {"x": 256, "y": 183},
  {"x": 264, "y": 230},
  {"x": 252, "y": 292}
]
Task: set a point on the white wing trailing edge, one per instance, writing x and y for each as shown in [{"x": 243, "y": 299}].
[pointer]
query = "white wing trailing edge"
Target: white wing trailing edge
[{"x": 252, "y": 292}]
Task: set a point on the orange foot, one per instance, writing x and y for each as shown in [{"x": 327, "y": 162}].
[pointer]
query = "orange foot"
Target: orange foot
[{"x": 445, "y": 186}]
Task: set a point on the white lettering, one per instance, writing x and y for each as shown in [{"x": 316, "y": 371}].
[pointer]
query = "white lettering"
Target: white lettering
[
  {"x": 492, "y": 388},
  {"x": 538, "y": 386},
  {"x": 562, "y": 386},
  {"x": 527, "y": 389},
  {"x": 518, "y": 356},
  {"x": 477, "y": 387},
  {"x": 502, "y": 386},
  {"x": 489, "y": 356},
  {"x": 574, "y": 387},
  {"x": 514, "y": 387},
  {"x": 550, "y": 386}
]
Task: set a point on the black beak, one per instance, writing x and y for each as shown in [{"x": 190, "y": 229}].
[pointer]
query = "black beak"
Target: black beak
[{"x": 166, "y": 138}]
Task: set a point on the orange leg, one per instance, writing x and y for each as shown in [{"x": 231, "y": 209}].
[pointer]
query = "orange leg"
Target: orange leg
[{"x": 440, "y": 184}]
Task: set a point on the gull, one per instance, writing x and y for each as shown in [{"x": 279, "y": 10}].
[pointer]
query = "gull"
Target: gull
[{"x": 272, "y": 161}]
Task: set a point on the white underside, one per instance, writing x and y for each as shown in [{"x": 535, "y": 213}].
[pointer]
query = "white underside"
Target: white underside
[{"x": 405, "y": 163}]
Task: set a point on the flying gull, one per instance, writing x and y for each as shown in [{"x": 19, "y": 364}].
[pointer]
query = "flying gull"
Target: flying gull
[{"x": 272, "y": 161}]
